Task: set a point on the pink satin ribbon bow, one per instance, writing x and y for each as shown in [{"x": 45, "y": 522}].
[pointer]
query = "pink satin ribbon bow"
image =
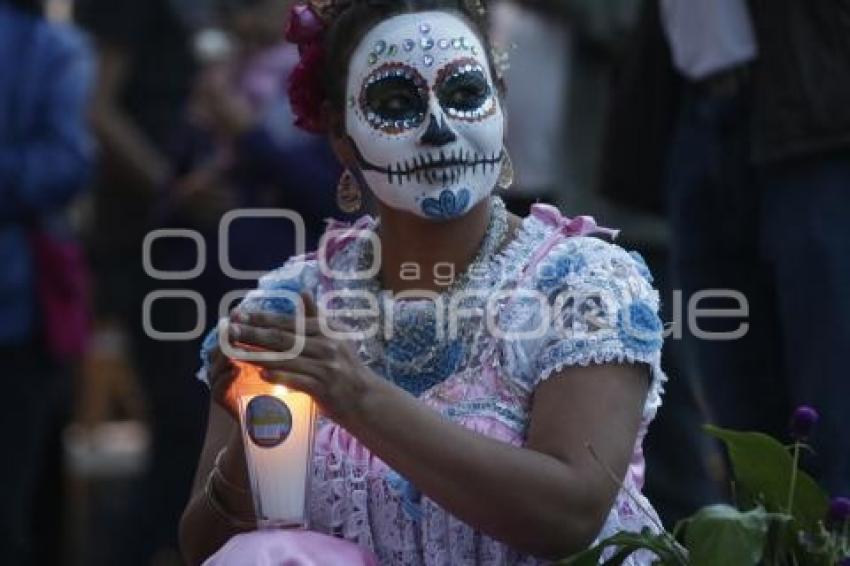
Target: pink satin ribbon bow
[
  {"x": 338, "y": 234},
  {"x": 578, "y": 226}
]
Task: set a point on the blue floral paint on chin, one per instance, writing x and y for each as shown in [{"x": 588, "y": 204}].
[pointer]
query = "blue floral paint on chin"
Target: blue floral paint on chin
[{"x": 448, "y": 205}]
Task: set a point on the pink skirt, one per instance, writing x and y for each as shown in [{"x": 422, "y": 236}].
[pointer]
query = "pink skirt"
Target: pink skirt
[{"x": 290, "y": 548}]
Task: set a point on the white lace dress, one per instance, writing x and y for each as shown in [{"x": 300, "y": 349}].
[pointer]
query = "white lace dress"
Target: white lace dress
[{"x": 602, "y": 309}]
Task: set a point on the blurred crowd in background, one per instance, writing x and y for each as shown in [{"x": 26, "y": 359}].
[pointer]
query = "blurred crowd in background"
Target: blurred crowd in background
[{"x": 714, "y": 134}]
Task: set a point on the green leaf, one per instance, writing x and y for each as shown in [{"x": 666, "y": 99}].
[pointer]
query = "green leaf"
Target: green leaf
[
  {"x": 720, "y": 534},
  {"x": 762, "y": 468},
  {"x": 627, "y": 543},
  {"x": 619, "y": 557},
  {"x": 589, "y": 557}
]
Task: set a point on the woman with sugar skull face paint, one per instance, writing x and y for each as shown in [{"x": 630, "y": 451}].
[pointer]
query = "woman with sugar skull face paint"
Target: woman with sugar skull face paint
[
  {"x": 473, "y": 419},
  {"x": 424, "y": 121}
]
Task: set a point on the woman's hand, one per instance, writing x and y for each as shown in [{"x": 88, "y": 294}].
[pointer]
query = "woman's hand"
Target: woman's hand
[{"x": 326, "y": 369}]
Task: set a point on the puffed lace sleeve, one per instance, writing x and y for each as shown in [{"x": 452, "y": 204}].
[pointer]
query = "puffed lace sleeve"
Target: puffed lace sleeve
[
  {"x": 273, "y": 293},
  {"x": 602, "y": 308}
]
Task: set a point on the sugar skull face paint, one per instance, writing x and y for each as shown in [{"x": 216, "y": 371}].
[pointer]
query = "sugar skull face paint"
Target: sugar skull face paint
[{"x": 424, "y": 115}]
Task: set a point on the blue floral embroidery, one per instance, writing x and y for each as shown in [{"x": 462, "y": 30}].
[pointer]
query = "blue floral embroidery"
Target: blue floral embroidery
[
  {"x": 448, "y": 205},
  {"x": 415, "y": 333},
  {"x": 209, "y": 343},
  {"x": 282, "y": 305},
  {"x": 443, "y": 366},
  {"x": 554, "y": 272},
  {"x": 411, "y": 497},
  {"x": 640, "y": 328},
  {"x": 641, "y": 266}
]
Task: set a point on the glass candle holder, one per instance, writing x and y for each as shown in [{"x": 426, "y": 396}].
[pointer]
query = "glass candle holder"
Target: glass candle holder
[{"x": 277, "y": 432}]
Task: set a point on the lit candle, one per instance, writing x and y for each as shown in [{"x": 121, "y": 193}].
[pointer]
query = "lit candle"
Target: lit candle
[{"x": 277, "y": 431}]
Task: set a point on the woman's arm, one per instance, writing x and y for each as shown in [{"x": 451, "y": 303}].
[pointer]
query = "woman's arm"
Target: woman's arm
[
  {"x": 548, "y": 498},
  {"x": 202, "y": 531}
]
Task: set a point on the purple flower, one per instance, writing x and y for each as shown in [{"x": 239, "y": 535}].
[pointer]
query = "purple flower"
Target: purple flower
[
  {"x": 839, "y": 511},
  {"x": 803, "y": 421}
]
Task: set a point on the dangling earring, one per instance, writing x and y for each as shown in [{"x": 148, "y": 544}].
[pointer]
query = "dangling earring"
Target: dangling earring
[
  {"x": 349, "y": 199},
  {"x": 506, "y": 174}
]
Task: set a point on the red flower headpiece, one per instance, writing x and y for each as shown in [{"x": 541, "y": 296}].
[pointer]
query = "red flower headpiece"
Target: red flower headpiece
[
  {"x": 306, "y": 89},
  {"x": 306, "y": 28}
]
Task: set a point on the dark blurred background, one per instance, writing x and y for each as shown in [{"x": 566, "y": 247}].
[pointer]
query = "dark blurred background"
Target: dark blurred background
[{"x": 714, "y": 134}]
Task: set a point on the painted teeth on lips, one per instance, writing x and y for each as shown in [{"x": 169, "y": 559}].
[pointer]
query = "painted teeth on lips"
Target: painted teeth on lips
[{"x": 443, "y": 161}]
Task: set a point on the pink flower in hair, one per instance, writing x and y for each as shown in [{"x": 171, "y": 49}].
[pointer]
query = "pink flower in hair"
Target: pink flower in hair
[{"x": 306, "y": 90}]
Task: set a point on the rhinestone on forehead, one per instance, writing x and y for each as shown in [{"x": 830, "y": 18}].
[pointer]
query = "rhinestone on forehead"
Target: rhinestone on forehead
[
  {"x": 392, "y": 69},
  {"x": 383, "y": 48}
]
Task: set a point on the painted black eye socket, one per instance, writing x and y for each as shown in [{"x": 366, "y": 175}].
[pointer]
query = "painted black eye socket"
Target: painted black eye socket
[
  {"x": 466, "y": 91},
  {"x": 395, "y": 98}
]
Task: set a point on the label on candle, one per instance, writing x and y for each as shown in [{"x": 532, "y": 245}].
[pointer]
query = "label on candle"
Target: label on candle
[{"x": 268, "y": 421}]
